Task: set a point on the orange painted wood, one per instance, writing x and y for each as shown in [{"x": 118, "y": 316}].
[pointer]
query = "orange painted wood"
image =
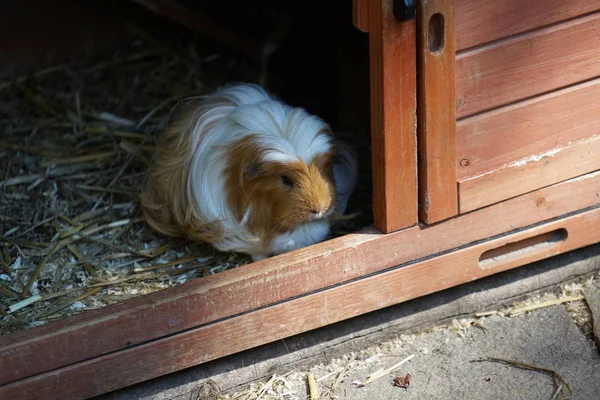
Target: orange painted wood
[
  {"x": 488, "y": 141},
  {"x": 308, "y": 312},
  {"x": 527, "y": 65},
  {"x": 392, "y": 47},
  {"x": 360, "y": 15},
  {"x": 482, "y": 21},
  {"x": 530, "y": 173},
  {"x": 199, "y": 302},
  {"x": 438, "y": 195}
]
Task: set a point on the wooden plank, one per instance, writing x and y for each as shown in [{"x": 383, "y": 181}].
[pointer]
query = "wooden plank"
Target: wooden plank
[
  {"x": 202, "y": 301},
  {"x": 392, "y": 48},
  {"x": 438, "y": 196},
  {"x": 482, "y": 21},
  {"x": 527, "y": 65},
  {"x": 530, "y": 173},
  {"x": 488, "y": 141},
  {"x": 309, "y": 312},
  {"x": 360, "y": 15}
]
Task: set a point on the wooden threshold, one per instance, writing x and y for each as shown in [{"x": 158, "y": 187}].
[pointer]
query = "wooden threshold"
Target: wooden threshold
[
  {"x": 165, "y": 331},
  {"x": 311, "y": 311}
]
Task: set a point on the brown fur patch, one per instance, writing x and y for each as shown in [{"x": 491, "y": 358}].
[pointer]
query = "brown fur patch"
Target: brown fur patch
[
  {"x": 275, "y": 208},
  {"x": 167, "y": 202}
]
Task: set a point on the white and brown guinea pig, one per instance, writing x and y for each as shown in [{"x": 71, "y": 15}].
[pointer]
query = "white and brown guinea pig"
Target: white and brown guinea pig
[{"x": 246, "y": 173}]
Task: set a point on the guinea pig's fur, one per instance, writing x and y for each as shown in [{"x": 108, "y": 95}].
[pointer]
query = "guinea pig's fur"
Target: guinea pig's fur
[{"x": 247, "y": 173}]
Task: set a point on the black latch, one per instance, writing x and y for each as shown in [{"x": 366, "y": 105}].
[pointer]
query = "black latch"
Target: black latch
[{"x": 404, "y": 10}]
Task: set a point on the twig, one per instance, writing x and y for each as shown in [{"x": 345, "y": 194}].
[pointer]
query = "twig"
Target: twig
[
  {"x": 383, "y": 372},
  {"x": 8, "y": 291},
  {"x": 312, "y": 386},
  {"x": 485, "y": 314},
  {"x": 549, "y": 303},
  {"x": 80, "y": 159},
  {"x": 162, "y": 249},
  {"x": 35, "y": 226},
  {"x": 559, "y": 381},
  {"x": 67, "y": 304},
  {"x": 114, "y": 119},
  {"x": 337, "y": 381},
  {"x": 105, "y": 190},
  {"x": 324, "y": 377},
  {"x": 24, "y": 303},
  {"x": 123, "y": 134},
  {"x": 119, "y": 174},
  {"x": 116, "y": 247},
  {"x": 168, "y": 264},
  {"x": 65, "y": 242},
  {"x": 159, "y": 107},
  {"x": 61, "y": 67},
  {"x": 88, "y": 267},
  {"x": 266, "y": 387},
  {"x": 38, "y": 74}
]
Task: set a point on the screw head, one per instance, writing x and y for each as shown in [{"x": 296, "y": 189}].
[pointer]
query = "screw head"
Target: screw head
[{"x": 465, "y": 162}]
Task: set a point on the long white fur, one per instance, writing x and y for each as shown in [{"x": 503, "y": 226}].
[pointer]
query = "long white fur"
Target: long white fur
[{"x": 289, "y": 133}]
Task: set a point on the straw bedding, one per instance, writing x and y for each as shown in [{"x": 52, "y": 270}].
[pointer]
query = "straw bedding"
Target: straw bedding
[{"x": 76, "y": 143}]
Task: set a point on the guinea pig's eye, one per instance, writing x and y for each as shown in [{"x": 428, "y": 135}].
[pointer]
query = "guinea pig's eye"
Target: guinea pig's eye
[{"x": 287, "y": 181}]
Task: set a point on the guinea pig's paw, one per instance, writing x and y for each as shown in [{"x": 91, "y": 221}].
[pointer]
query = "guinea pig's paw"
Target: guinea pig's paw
[{"x": 258, "y": 257}]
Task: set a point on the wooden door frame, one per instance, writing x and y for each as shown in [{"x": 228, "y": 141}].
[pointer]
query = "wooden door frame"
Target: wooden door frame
[
  {"x": 404, "y": 190},
  {"x": 393, "y": 79},
  {"x": 208, "y": 318}
]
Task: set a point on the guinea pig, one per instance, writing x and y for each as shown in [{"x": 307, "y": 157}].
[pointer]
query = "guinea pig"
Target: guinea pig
[{"x": 247, "y": 173}]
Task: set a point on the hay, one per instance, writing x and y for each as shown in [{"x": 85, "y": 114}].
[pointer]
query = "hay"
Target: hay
[{"x": 76, "y": 142}]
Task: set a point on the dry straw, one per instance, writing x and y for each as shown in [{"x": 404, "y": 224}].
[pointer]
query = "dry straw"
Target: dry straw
[{"x": 77, "y": 140}]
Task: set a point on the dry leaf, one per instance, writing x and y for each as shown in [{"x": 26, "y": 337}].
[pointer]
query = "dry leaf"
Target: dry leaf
[{"x": 402, "y": 382}]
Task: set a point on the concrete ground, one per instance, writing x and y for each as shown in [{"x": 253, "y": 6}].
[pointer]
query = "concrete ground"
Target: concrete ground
[
  {"x": 444, "y": 333},
  {"x": 443, "y": 365}
]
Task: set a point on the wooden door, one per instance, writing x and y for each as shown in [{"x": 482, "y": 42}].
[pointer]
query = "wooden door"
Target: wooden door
[
  {"x": 393, "y": 78},
  {"x": 509, "y": 98}
]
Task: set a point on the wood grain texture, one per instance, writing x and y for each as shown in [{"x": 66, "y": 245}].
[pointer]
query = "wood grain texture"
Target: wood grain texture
[
  {"x": 528, "y": 65},
  {"x": 438, "y": 194},
  {"x": 203, "y": 301},
  {"x": 482, "y": 21},
  {"x": 360, "y": 15},
  {"x": 392, "y": 47},
  {"x": 531, "y": 173},
  {"x": 102, "y": 374},
  {"x": 488, "y": 141}
]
